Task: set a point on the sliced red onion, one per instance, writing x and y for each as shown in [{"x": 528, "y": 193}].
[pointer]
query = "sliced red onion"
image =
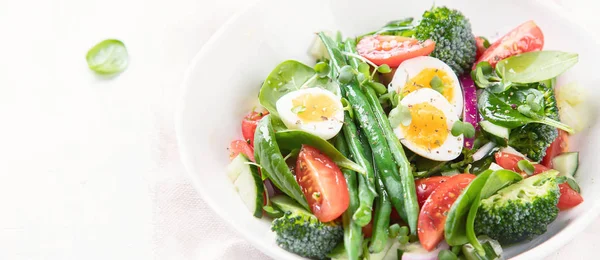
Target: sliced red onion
[
  {"x": 483, "y": 151},
  {"x": 470, "y": 113},
  {"x": 270, "y": 188},
  {"x": 414, "y": 251}
]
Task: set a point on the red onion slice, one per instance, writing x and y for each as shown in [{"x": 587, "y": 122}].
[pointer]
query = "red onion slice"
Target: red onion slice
[{"x": 470, "y": 113}]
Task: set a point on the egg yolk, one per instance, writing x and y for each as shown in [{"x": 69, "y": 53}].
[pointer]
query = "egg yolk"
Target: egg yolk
[
  {"x": 314, "y": 107},
  {"x": 428, "y": 128},
  {"x": 423, "y": 80}
]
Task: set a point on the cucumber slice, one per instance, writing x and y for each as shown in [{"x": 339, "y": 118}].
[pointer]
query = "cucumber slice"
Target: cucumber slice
[
  {"x": 496, "y": 130},
  {"x": 248, "y": 184},
  {"x": 566, "y": 163},
  {"x": 236, "y": 166}
]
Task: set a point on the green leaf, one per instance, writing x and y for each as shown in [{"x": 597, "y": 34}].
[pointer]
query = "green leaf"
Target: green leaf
[
  {"x": 535, "y": 66},
  {"x": 463, "y": 128},
  {"x": 400, "y": 115},
  {"x": 573, "y": 184},
  {"x": 268, "y": 155},
  {"x": 510, "y": 109},
  {"x": 437, "y": 84},
  {"x": 289, "y": 140},
  {"x": 455, "y": 227},
  {"x": 379, "y": 88},
  {"x": 322, "y": 69},
  {"x": 346, "y": 74},
  {"x": 290, "y": 76},
  {"x": 495, "y": 182},
  {"x": 526, "y": 166},
  {"x": 108, "y": 57},
  {"x": 385, "y": 69},
  {"x": 486, "y": 43}
]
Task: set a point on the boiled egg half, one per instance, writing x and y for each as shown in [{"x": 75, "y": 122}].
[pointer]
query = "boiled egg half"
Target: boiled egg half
[
  {"x": 428, "y": 133},
  {"x": 417, "y": 73},
  {"x": 313, "y": 110}
]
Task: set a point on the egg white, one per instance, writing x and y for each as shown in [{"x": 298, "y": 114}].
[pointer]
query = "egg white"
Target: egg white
[
  {"x": 452, "y": 147},
  {"x": 412, "y": 67},
  {"x": 326, "y": 129}
]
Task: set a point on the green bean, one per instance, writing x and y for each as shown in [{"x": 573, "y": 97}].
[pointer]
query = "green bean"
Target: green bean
[
  {"x": 352, "y": 231},
  {"x": 399, "y": 181},
  {"x": 383, "y": 209},
  {"x": 409, "y": 192},
  {"x": 381, "y": 223},
  {"x": 366, "y": 183}
]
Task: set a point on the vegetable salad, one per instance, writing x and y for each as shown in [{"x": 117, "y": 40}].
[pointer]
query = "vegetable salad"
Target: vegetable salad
[{"x": 418, "y": 140}]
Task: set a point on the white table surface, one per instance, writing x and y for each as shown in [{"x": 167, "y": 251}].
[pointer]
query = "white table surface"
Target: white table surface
[{"x": 89, "y": 166}]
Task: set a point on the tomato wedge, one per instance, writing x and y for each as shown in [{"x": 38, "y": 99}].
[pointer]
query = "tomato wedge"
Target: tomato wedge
[
  {"x": 525, "y": 38},
  {"x": 240, "y": 146},
  {"x": 249, "y": 124},
  {"x": 426, "y": 186},
  {"x": 432, "y": 217},
  {"x": 392, "y": 50},
  {"x": 322, "y": 183},
  {"x": 560, "y": 145},
  {"x": 568, "y": 197}
]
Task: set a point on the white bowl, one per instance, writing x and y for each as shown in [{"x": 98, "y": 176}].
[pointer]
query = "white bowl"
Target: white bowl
[{"x": 223, "y": 81}]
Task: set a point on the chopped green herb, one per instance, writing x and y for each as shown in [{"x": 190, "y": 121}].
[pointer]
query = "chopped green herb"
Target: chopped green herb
[
  {"x": 394, "y": 230},
  {"x": 322, "y": 69},
  {"x": 346, "y": 74},
  {"x": 437, "y": 84},
  {"x": 400, "y": 115},
  {"x": 384, "y": 69},
  {"x": 463, "y": 128},
  {"x": 108, "y": 57},
  {"x": 526, "y": 166},
  {"x": 298, "y": 109}
]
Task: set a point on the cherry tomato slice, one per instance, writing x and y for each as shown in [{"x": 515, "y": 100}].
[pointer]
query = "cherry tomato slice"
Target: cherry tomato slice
[
  {"x": 322, "y": 183},
  {"x": 480, "y": 43},
  {"x": 392, "y": 50},
  {"x": 568, "y": 197},
  {"x": 249, "y": 124},
  {"x": 426, "y": 186},
  {"x": 560, "y": 145},
  {"x": 240, "y": 146},
  {"x": 432, "y": 217},
  {"x": 525, "y": 38}
]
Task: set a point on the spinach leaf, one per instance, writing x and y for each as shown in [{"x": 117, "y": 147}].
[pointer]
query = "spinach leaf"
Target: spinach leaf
[
  {"x": 289, "y": 140},
  {"x": 459, "y": 228},
  {"x": 495, "y": 182},
  {"x": 268, "y": 156},
  {"x": 290, "y": 76},
  {"x": 513, "y": 108},
  {"x": 535, "y": 66},
  {"x": 455, "y": 227}
]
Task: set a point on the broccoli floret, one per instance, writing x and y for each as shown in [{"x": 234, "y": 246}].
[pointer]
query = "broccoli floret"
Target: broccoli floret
[
  {"x": 534, "y": 139},
  {"x": 520, "y": 211},
  {"x": 451, "y": 32},
  {"x": 301, "y": 233}
]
